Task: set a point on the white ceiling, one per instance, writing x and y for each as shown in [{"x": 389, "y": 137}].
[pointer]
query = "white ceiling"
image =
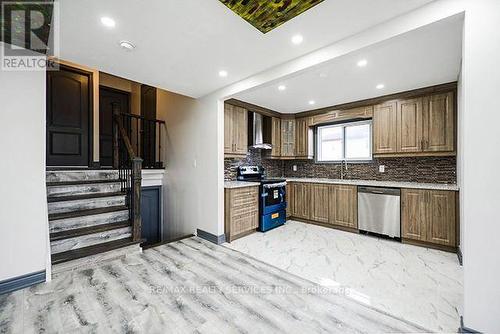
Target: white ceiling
[
  {"x": 183, "y": 44},
  {"x": 421, "y": 58}
]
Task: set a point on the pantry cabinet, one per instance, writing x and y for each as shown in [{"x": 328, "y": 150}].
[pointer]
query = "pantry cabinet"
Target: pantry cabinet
[
  {"x": 429, "y": 216},
  {"x": 235, "y": 131}
]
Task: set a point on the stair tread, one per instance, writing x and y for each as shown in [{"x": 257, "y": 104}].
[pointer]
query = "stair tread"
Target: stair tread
[
  {"x": 92, "y": 250},
  {"x": 88, "y": 230},
  {"x": 87, "y": 212},
  {"x": 52, "y": 199},
  {"x": 77, "y": 183}
]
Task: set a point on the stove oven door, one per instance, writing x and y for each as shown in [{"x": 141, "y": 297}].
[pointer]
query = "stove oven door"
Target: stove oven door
[{"x": 273, "y": 197}]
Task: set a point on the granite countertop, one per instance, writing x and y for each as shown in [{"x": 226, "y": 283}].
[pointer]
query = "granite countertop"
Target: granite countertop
[
  {"x": 239, "y": 184},
  {"x": 372, "y": 183}
]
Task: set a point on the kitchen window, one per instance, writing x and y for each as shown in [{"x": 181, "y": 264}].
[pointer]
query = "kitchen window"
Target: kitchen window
[{"x": 346, "y": 141}]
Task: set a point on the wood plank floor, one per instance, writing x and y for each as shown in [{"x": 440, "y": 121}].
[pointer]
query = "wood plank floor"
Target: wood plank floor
[{"x": 186, "y": 287}]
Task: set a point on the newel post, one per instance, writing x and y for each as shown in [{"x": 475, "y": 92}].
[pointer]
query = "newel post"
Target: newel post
[
  {"x": 136, "y": 193},
  {"x": 116, "y": 147}
]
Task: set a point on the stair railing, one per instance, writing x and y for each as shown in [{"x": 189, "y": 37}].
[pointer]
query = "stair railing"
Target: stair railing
[{"x": 129, "y": 167}]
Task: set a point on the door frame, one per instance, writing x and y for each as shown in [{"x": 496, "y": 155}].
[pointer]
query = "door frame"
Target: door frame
[
  {"x": 90, "y": 75},
  {"x": 115, "y": 90}
]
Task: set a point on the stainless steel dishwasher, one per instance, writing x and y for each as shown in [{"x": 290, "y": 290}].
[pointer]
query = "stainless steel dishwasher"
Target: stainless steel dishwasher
[{"x": 379, "y": 210}]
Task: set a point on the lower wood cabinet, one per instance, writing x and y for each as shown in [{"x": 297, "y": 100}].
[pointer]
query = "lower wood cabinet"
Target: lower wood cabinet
[
  {"x": 429, "y": 216},
  {"x": 241, "y": 211},
  {"x": 324, "y": 203}
]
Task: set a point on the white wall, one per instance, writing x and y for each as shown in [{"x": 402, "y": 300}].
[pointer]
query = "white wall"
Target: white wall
[
  {"x": 480, "y": 164},
  {"x": 23, "y": 202}
]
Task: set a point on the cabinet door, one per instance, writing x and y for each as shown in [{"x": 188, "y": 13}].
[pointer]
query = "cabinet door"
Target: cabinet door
[
  {"x": 228, "y": 128},
  {"x": 414, "y": 214},
  {"x": 301, "y": 133},
  {"x": 301, "y": 200},
  {"x": 320, "y": 194},
  {"x": 344, "y": 206},
  {"x": 409, "y": 126},
  {"x": 288, "y": 138},
  {"x": 240, "y": 130},
  {"x": 439, "y": 123},
  {"x": 276, "y": 137},
  {"x": 384, "y": 128},
  {"x": 441, "y": 220},
  {"x": 289, "y": 199}
]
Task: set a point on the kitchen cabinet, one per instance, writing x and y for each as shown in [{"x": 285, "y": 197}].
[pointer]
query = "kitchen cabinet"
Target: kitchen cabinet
[
  {"x": 288, "y": 138},
  {"x": 301, "y": 200},
  {"x": 409, "y": 126},
  {"x": 342, "y": 115},
  {"x": 241, "y": 211},
  {"x": 303, "y": 139},
  {"x": 385, "y": 128},
  {"x": 320, "y": 202},
  {"x": 439, "y": 123},
  {"x": 235, "y": 131},
  {"x": 276, "y": 137},
  {"x": 429, "y": 216},
  {"x": 343, "y": 206}
]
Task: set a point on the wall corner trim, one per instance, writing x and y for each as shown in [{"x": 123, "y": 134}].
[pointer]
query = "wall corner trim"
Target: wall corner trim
[
  {"x": 211, "y": 237},
  {"x": 21, "y": 282}
]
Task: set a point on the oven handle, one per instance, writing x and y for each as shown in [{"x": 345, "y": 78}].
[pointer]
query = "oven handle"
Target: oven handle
[{"x": 274, "y": 185}]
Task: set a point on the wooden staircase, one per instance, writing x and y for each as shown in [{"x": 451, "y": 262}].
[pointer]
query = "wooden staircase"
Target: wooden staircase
[{"x": 88, "y": 214}]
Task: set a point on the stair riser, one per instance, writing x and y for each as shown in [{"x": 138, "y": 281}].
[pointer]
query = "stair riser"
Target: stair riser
[
  {"x": 91, "y": 203},
  {"x": 66, "y": 176},
  {"x": 87, "y": 221},
  {"x": 73, "y": 190},
  {"x": 89, "y": 240}
]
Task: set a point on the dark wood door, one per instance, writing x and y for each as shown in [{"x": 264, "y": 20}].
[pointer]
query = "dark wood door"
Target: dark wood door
[
  {"x": 108, "y": 97},
  {"x": 151, "y": 215},
  {"x": 68, "y": 118},
  {"x": 148, "y": 111}
]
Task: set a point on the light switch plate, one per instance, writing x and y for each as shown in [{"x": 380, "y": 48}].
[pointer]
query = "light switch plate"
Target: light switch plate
[
  {"x": 294, "y": 168},
  {"x": 381, "y": 168}
]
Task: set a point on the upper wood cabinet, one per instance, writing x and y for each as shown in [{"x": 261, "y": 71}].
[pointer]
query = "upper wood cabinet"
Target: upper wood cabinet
[
  {"x": 288, "y": 138},
  {"x": 235, "y": 130},
  {"x": 439, "y": 123},
  {"x": 385, "y": 128},
  {"x": 429, "y": 216},
  {"x": 303, "y": 139},
  {"x": 276, "y": 137},
  {"x": 419, "y": 126},
  {"x": 344, "y": 206},
  {"x": 409, "y": 126}
]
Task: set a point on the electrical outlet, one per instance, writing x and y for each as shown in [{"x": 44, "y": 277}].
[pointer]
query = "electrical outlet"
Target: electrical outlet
[
  {"x": 294, "y": 168},
  {"x": 381, "y": 168}
]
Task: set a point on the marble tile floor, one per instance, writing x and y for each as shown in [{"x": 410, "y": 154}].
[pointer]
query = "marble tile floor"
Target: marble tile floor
[
  {"x": 190, "y": 286},
  {"x": 420, "y": 285}
]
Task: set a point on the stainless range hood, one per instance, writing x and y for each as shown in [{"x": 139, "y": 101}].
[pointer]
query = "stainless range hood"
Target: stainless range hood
[{"x": 258, "y": 134}]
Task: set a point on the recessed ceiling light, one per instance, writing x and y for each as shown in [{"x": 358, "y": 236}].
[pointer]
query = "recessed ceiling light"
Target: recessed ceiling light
[
  {"x": 297, "y": 39},
  {"x": 127, "y": 45},
  {"x": 312, "y": 102},
  {"x": 108, "y": 22},
  {"x": 362, "y": 63},
  {"x": 380, "y": 86},
  {"x": 223, "y": 74},
  {"x": 281, "y": 87}
]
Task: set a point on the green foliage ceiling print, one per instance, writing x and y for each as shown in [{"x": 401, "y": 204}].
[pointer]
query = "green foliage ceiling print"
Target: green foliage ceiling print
[{"x": 266, "y": 15}]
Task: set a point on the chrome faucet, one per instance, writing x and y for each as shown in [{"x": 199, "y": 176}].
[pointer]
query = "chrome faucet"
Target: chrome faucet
[{"x": 343, "y": 172}]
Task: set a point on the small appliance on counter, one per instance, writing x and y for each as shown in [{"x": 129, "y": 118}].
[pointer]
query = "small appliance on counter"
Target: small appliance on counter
[{"x": 272, "y": 196}]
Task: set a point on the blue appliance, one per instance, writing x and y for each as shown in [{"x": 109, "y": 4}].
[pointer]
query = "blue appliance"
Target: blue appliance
[{"x": 272, "y": 196}]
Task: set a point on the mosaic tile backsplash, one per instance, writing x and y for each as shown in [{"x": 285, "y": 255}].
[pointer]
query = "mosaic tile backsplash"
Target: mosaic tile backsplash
[{"x": 411, "y": 169}]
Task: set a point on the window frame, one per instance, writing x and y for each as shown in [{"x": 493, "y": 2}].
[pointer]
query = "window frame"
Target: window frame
[{"x": 344, "y": 125}]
